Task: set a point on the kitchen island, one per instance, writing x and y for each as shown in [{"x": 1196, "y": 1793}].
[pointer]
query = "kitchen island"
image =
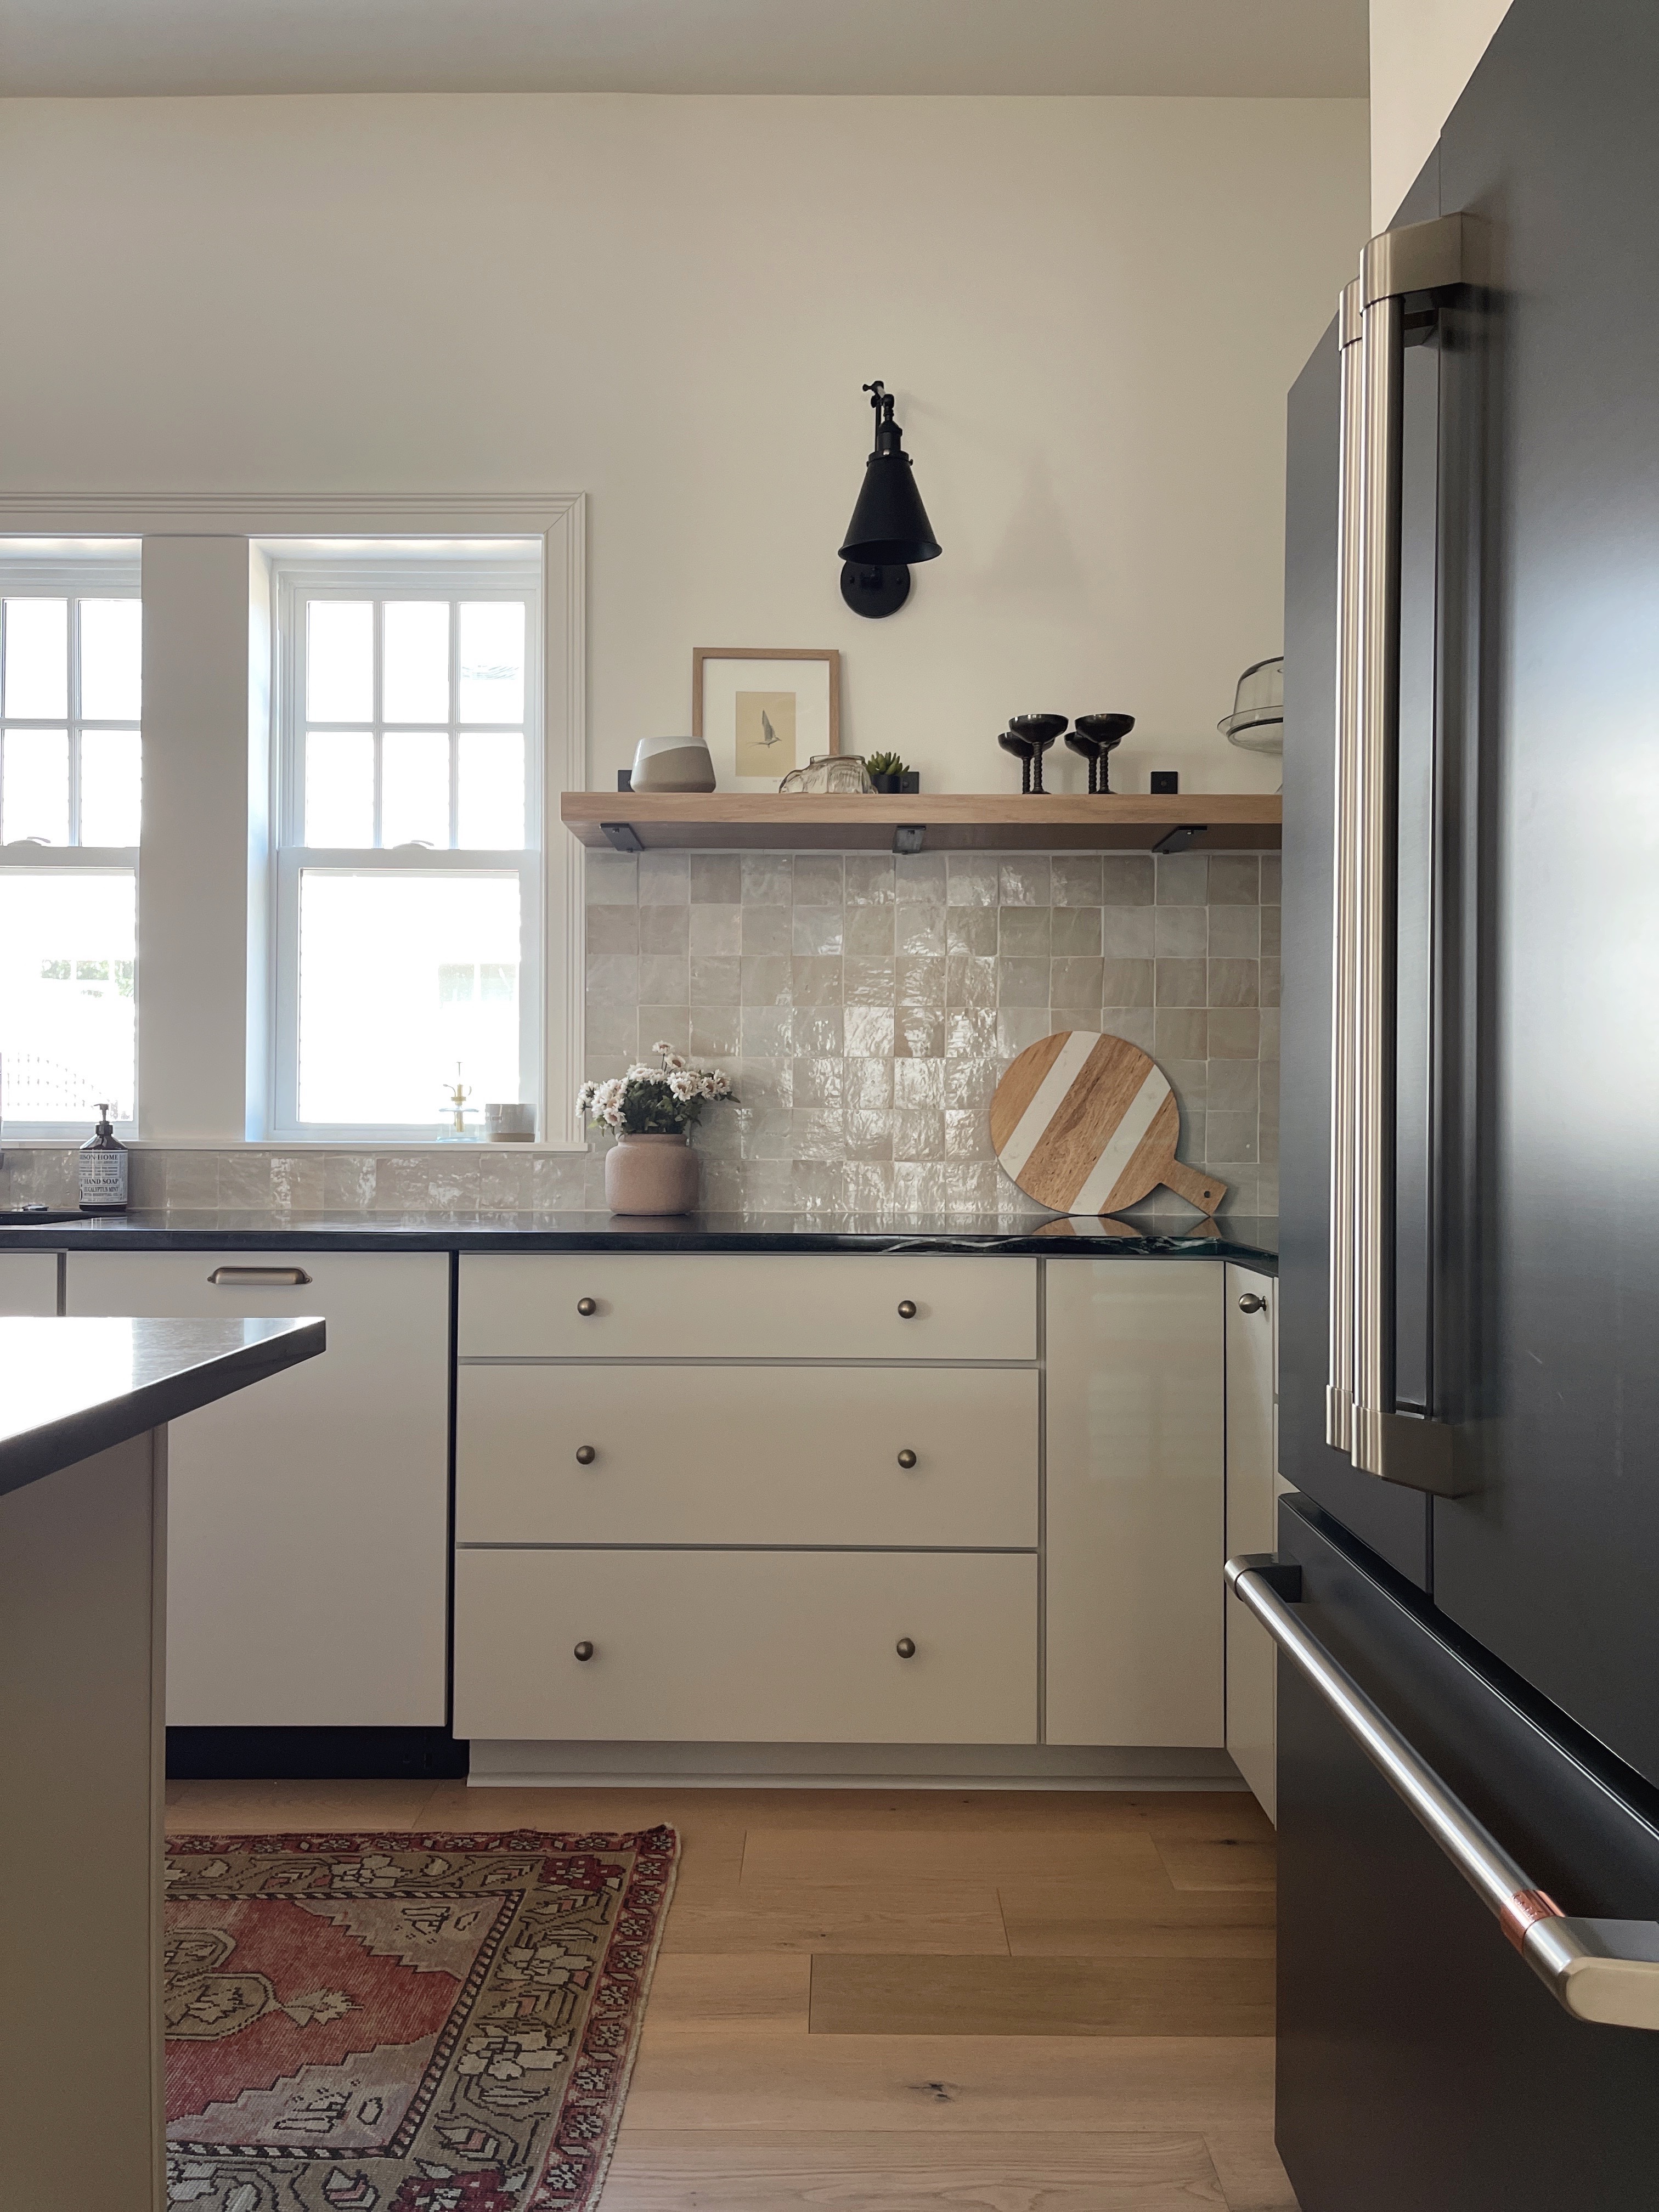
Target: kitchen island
[{"x": 84, "y": 1405}]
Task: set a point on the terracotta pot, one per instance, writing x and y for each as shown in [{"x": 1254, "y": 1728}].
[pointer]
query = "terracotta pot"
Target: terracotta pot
[{"x": 652, "y": 1175}]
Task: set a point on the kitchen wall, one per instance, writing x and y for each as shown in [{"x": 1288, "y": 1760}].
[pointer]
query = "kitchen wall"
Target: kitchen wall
[
  {"x": 1423, "y": 54},
  {"x": 1091, "y": 309},
  {"x": 865, "y": 1007}
]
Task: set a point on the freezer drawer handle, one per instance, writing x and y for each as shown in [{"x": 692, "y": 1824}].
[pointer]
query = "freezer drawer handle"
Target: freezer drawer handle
[
  {"x": 258, "y": 1279},
  {"x": 1605, "y": 1970}
]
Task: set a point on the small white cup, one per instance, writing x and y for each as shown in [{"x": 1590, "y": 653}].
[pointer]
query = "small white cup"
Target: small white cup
[{"x": 509, "y": 1124}]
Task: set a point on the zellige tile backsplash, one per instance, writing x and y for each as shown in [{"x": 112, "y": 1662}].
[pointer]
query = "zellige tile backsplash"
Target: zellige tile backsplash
[{"x": 864, "y": 1006}]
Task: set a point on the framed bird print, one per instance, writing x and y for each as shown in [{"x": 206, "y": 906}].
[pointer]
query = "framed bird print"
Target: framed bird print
[{"x": 762, "y": 712}]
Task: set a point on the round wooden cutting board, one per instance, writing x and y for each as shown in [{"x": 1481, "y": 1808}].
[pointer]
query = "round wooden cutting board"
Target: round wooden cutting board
[{"x": 1085, "y": 1123}]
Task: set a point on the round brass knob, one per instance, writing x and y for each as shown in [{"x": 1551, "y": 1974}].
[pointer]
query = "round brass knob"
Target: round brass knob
[
  {"x": 584, "y": 1650},
  {"x": 588, "y": 1307},
  {"x": 585, "y": 1455},
  {"x": 906, "y": 1648},
  {"x": 1250, "y": 1303},
  {"x": 907, "y": 1459},
  {"x": 907, "y": 1308}
]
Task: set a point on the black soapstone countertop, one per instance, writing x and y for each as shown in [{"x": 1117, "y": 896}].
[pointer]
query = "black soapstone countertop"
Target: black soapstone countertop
[
  {"x": 1252, "y": 1240},
  {"x": 71, "y": 1387}
]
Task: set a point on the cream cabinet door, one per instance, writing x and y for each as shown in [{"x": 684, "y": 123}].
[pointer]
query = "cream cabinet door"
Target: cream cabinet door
[
  {"x": 28, "y": 1283},
  {"x": 1252, "y": 1311},
  {"x": 1136, "y": 1502},
  {"x": 746, "y": 1455},
  {"x": 741, "y": 1306},
  {"x": 307, "y": 1520},
  {"x": 746, "y": 1647}
]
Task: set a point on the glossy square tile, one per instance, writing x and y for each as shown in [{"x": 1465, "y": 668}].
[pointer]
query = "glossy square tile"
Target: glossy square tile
[
  {"x": 1180, "y": 933},
  {"x": 919, "y": 877},
  {"x": 817, "y": 931},
  {"x": 665, "y": 878},
  {"x": 1025, "y": 881},
  {"x": 1127, "y": 879},
  {"x": 919, "y": 1032},
  {"x": 1235, "y": 982},
  {"x": 764, "y": 980},
  {"x": 1023, "y": 931},
  {"x": 869, "y": 1029},
  {"x": 1235, "y": 879},
  {"x": 661, "y": 929},
  {"x": 665, "y": 979},
  {"x": 1075, "y": 933},
  {"x": 869, "y": 931},
  {"x": 818, "y": 879},
  {"x": 919, "y": 928},
  {"x": 714, "y": 982},
  {"x": 716, "y": 878},
  {"x": 868, "y": 879},
  {"x": 816, "y": 982},
  {"x": 817, "y": 1031},
  {"x": 1076, "y": 880},
  {"x": 919, "y": 980},
  {"x": 1183, "y": 878},
  {"x": 1076, "y": 983},
  {"x": 971, "y": 929},
  {"x": 612, "y": 878},
  {"x": 1180, "y": 983},
  {"x": 715, "y": 929},
  {"x": 768, "y": 928},
  {"x": 768, "y": 878},
  {"x": 972, "y": 880},
  {"x": 613, "y": 929}
]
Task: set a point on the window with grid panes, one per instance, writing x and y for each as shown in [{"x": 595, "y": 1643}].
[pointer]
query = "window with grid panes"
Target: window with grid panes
[
  {"x": 70, "y": 777},
  {"x": 408, "y": 863}
]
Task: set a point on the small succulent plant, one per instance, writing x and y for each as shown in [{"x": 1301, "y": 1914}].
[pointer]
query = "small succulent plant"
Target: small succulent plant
[{"x": 886, "y": 764}]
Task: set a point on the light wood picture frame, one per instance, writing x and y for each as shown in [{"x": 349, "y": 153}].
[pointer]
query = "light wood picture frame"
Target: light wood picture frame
[{"x": 763, "y": 710}]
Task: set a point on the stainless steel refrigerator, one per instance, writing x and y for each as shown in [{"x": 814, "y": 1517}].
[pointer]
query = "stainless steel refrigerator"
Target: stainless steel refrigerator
[{"x": 1466, "y": 1590}]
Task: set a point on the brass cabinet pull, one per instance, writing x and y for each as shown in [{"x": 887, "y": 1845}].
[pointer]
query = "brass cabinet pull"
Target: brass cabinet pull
[
  {"x": 585, "y": 1455},
  {"x": 258, "y": 1279},
  {"x": 584, "y": 1650},
  {"x": 906, "y": 1648},
  {"x": 1248, "y": 1303},
  {"x": 906, "y": 1460},
  {"x": 906, "y": 1310},
  {"x": 587, "y": 1308}
]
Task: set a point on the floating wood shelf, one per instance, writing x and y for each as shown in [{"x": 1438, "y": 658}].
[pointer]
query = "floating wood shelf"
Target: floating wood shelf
[{"x": 953, "y": 821}]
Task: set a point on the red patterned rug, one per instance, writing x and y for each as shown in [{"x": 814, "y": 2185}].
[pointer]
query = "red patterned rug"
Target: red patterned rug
[{"x": 396, "y": 2023}]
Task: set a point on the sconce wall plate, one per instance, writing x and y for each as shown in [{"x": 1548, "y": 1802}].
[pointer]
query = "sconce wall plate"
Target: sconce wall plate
[{"x": 873, "y": 589}]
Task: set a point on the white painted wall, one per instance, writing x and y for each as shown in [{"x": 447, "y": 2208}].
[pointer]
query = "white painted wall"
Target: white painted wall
[
  {"x": 1091, "y": 309},
  {"x": 1423, "y": 54}
]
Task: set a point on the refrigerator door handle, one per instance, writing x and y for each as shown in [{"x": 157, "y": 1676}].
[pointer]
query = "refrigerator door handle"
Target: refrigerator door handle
[
  {"x": 1602, "y": 1971},
  {"x": 1409, "y": 1449},
  {"x": 1338, "y": 1385}
]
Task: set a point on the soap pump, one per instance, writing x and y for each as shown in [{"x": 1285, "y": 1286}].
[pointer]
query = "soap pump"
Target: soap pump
[{"x": 104, "y": 1160}]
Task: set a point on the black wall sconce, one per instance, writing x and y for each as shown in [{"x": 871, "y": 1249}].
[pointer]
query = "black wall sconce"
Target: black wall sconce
[{"x": 890, "y": 530}]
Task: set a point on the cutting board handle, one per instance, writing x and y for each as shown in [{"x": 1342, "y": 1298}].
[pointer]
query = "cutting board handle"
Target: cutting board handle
[{"x": 1206, "y": 1191}]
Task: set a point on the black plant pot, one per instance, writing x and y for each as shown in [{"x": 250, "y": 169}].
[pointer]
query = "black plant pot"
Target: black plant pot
[{"x": 896, "y": 785}]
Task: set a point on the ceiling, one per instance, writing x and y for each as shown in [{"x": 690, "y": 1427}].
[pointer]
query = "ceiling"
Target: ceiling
[{"x": 1264, "y": 48}]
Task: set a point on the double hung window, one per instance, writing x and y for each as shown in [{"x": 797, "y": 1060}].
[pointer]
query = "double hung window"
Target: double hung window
[
  {"x": 70, "y": 774},
  {"x": 408, "y": 801}
]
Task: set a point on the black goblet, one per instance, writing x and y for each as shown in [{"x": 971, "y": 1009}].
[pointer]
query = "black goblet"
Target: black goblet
[
  {"x": 1096, "y": 736},
  {"x": 1021, "y": 749},
  {"x": 1039, "y": 732}
]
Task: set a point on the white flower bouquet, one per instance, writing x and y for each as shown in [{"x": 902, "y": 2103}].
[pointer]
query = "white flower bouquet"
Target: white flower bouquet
[{"x": 666, "y": 1101}]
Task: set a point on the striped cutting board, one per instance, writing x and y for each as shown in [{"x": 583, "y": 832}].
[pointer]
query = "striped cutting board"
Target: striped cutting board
[{"x": 1086, "y": 1124}]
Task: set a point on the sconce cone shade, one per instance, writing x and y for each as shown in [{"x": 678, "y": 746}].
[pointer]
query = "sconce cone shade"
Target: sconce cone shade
[{"x": 889, "y": 526}]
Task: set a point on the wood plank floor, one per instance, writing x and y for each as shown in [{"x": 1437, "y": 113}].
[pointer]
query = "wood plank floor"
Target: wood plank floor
[{"x": 892, "y": 2001}]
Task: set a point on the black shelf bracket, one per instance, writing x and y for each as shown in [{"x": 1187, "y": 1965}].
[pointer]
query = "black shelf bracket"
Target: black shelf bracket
[
  {"x": 623, "y": 836},
  {"x": 908, "y": 836}
]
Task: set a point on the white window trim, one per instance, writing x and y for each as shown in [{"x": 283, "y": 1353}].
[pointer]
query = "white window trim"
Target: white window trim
[
  {"x": 45, "y": 570},
  {"x": 165, "y": 1112}
]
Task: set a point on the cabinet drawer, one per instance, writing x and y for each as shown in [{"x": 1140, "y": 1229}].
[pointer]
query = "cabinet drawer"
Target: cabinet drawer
[
  {"x": 746, "y": 1647},
  {"x": 746, "y": 1455},
  {"x": 698, "y": 1305}
]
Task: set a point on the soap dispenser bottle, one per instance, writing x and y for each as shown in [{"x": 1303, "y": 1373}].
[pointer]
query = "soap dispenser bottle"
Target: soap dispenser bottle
[{"x": 104, "y": 1169}]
